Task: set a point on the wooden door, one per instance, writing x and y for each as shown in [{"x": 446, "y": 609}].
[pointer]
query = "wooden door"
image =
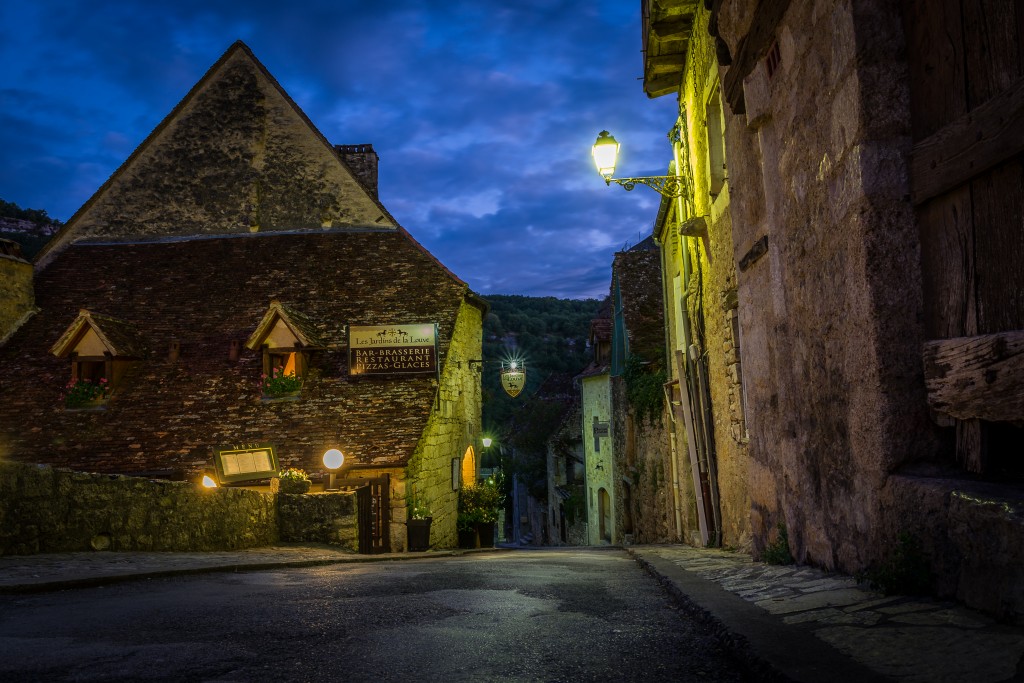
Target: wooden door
[{"x": 966, "y": 66}]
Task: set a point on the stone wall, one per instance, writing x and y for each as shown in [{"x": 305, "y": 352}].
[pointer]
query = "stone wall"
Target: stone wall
[
  {"x": 643, "y": 463},
  {"x": 830, "y": 313},
  {"x": 452, "y": 433},
  {"x": 971, "y": 533},
  {"x": 17, "y": 299},
  {"x": 46, "y": 510},
  {"x": 330, "y": 518}
]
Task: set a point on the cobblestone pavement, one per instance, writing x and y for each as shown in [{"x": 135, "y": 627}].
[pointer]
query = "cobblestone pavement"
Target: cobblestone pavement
[
  {"x": 898, "y": 638},
  {"x": 807, "y": 624}
]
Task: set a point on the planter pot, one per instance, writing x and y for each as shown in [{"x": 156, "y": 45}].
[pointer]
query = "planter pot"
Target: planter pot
[
  {"x": 485, "y": 530},
  {"x": 291, "y": 486},
  {"x": 418, "y": 534},
  {"x": 468, "y": 538}
]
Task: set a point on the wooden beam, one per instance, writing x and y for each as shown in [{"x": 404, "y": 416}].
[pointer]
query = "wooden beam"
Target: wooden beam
[
  {"x": 970, "y": 145},
  {"x": 673, "y": 28},
  {"x": 663, "y": 84},
  {"x": 751, "y": 48},
  {"x": 978, "y": 377}
]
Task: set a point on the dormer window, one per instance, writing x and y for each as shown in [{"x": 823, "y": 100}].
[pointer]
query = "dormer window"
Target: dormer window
[
  {"x": 100, "y": 349},
  {"x": 285, "y": 339}
]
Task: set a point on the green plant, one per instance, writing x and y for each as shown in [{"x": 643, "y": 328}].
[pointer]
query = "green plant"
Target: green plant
[
  {"x": 83, "y": 391},
  {"x": 778, "y": 552},
  {"x": 280, "y": 384},
  {"x": 905, "y": 571},
  {"x": 645, "y": 389},
  {"x": 479, "y": 503},
  {"x": 574, "y": 505},
  {"x": 418, "y": 510},
  {"x": 294, "y": 480}
]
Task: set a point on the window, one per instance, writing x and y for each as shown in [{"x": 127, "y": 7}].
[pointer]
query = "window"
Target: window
[
  {"x": 716, "y": 144},
  {"x": 100, "y": 349},
  {"x": 285, "y": 337}
]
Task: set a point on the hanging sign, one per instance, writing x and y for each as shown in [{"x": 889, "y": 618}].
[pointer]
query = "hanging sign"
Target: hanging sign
[
  {"x": 392, "y": 349},
  {"x": 513, "y": 379}
]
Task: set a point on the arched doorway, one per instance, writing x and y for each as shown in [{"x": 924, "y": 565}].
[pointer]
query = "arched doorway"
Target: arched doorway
[
  {"x": 604, "y": 511},
  {"x": 469, "y": 468}
]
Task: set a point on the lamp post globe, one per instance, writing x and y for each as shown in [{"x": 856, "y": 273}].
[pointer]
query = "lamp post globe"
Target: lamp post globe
[{"x": 333, "y": 459}]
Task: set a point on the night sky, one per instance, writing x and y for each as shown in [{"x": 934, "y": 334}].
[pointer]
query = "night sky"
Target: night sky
[{"x": 482, "y": 112}]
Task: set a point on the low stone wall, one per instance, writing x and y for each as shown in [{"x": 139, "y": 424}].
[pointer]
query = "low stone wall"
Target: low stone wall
[
  {"x": 972, "y": 534},
  {"x": 319, "y": 518},
  {"x": 45, "y": 510}
]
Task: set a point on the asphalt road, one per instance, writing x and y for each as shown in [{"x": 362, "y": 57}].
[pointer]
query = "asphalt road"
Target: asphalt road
[{"x": 548, "y": 615}]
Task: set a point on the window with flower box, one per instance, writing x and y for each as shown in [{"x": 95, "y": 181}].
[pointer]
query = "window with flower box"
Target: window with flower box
[
  {"x": 285, "y": 338},
  {"x": 100, "y": 350}
]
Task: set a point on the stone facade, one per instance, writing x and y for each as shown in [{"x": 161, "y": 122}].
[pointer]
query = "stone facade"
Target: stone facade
[
  {"x": 267, "y": 168},
  {"x": 828, "y": 257},
  {"x": 233, "y": 236},
  {"x": 830, "y": 314},
  {"x": 699, "y": 271},
  {"x": 599, "y": 455}
]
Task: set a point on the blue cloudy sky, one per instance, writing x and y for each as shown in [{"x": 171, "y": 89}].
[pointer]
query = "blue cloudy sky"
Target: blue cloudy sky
[{"x": 482, "y": 112}]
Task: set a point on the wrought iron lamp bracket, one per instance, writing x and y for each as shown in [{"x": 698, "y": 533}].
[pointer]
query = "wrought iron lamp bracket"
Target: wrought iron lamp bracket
[{"x": 665, "y": 185}]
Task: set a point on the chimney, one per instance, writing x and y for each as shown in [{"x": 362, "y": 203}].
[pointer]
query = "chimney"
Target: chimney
[{"x": 363, "y": 162}]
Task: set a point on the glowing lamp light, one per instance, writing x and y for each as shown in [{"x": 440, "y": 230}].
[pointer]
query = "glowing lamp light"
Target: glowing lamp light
[
  {"x": 487, "y": 442},
  {"x": 333, "y": 459},
  {"x": 515, "y": 365},
  {"x": 606, "y": 152},
  {"x": 208, "y": 482}
]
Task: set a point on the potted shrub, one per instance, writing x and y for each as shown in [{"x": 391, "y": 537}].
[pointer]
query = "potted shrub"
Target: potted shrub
[
  {"x": 469, "y": 515},
  {"x": 478, "y": 513},
  {"x": 293, "y": 480},
  {"x": 418, "y": 526},
  {"x": 489, "y": 502}
]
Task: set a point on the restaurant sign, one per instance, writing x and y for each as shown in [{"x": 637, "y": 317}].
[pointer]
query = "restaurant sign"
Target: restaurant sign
[
  {"x": 513, "y": 379},
  {"x": 392, "y": 349}
]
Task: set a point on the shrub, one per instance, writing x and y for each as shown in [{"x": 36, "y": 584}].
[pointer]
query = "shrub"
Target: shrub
[{"x": 778, "y": 552}]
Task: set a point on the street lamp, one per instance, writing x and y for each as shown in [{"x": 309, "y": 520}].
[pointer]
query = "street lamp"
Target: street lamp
[
  {"x": 333, "y": 460},
  {"x": 487, "y": 442},
  {"x": 606, "y": 152}
]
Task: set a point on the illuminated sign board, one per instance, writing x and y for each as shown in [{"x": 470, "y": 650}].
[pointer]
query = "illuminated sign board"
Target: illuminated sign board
[
  {"x": 245, "y": 464},
  {"x": 392, "y": 349}
]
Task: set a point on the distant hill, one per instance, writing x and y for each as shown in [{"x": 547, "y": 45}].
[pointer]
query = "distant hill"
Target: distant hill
[
  {"x": 549, "y": 335},
  {"x": 31, "y": 228}
]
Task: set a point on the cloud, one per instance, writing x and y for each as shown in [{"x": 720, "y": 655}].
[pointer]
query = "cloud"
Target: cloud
[{"x": 483, "y": 113}]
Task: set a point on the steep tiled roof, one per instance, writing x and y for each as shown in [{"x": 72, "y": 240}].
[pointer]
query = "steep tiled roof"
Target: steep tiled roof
[{"x": 206, "y": 293}]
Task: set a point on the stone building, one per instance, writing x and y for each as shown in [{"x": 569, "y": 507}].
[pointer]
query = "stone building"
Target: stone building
[
  {"x": 645, "y": 476},
  {"x": 596, "y": 413},
  {"x": 708, "y": 440},
  {"x": 237, "y": 243},
  {"x": 869, "y": 252}
]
